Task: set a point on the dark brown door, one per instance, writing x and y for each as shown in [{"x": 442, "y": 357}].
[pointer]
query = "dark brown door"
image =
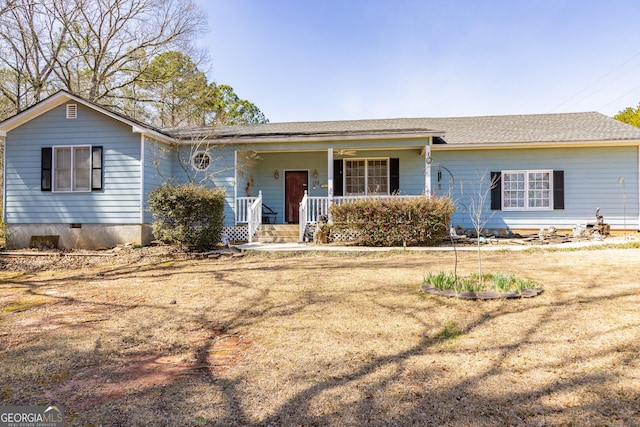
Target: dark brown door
[{"x": 295, "y": 183}]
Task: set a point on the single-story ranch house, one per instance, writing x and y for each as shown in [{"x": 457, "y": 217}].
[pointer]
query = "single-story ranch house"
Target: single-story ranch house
[{"x": 82, "y": 173}]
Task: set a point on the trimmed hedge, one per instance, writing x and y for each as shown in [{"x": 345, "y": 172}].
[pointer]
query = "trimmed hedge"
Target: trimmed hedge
[
  {"x": 188, "y": 215},
  {"x": 420, "y": 221}
]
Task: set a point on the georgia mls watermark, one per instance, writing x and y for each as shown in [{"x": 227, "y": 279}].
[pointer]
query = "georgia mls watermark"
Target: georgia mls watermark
[{"x": 31, "y": 416}]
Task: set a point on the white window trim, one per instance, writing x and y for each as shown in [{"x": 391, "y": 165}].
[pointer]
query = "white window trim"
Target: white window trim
[
  {"x": 526, "y": 190},
  {"x": 366, "y": 175},
  {"x": 193, "y": 165},
  {"x": 54, "y": 150}
]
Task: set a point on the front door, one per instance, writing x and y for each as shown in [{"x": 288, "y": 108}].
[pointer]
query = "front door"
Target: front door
[{"x": 295, "y": 184}]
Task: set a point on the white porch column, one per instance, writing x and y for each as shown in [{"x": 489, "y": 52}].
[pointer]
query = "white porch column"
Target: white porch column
[
  {"x": 329, "y": 177},
  {"x": 235, "y": 187},
  {"x": 427, "y": 169},
  {"x": 638, "y": 227}
]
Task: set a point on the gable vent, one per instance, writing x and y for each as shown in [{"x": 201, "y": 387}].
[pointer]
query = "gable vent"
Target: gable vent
[{"x": 72, "y": 111}]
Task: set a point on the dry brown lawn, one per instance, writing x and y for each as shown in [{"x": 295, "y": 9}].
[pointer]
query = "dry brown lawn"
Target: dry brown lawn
[{"x": 325, "y": 339}]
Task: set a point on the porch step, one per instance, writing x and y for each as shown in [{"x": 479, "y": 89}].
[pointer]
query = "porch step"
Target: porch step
[{"x": 277, "y": 233}]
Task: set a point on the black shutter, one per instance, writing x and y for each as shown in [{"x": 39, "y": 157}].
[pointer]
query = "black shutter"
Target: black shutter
[
  {"x": 394, "y": 176},
  {"x": 337, "y": 177},
  {"x": 496, "y": 191},
  {"x": 96, "y": 168},
  {"x": 558, "y": 189},
  {"x": 45, "y": 169}
]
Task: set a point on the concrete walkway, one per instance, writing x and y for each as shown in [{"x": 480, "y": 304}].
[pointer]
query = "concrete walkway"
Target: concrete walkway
[{"x": 498, "y": 245}]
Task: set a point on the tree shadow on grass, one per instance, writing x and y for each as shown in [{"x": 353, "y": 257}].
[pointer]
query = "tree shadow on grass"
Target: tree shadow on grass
[{"x": 420, "y": 384}]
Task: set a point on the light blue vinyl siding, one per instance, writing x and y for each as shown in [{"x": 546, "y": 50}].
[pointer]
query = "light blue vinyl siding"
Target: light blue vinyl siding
[
  {"x": 220, "y": 174},
  {"x": 272, "y": 188},
  {"x": 590, "y": 181},
  {"x": 118, "y": 203},
  {"x": 158, "y": 169},
  {"x": 411, "y": 173}
]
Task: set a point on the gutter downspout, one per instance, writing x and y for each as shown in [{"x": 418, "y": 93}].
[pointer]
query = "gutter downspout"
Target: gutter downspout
[
  {"x": 427, "y": 168},
  {"x": 235, "y": 188}
]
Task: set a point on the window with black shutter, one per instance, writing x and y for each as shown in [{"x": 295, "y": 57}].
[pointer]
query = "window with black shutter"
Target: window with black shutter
[
  {"x": 394, "y": 176},
  {"x": 527, "y": 190},
  {"x": 45, "y": 170},
  {"x": 337, "y": 178},
  {"x": 71, "y": 169},
  {"x": 96, "y": 168}
]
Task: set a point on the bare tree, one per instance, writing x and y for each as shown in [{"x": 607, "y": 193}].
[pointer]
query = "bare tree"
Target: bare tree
[
  {"x": 478, "y": 213},
  {"x": 97, "y": 49},
  {"x": 108, "y": 40},
  {"x": 29, "y": 41},
  {"x": 200, "y": 160}
]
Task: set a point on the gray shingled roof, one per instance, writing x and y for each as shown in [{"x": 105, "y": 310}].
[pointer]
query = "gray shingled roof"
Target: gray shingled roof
[
  {"x": 311, "y": 129},
  {"x": 564, "y": 127}
]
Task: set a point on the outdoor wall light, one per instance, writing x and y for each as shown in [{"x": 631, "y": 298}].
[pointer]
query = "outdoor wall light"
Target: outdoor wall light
[
  {"x": 315, "y": 174},
  {"x": 276, "y": 174}
]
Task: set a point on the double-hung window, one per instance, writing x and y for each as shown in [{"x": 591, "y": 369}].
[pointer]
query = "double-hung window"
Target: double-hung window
[
  {"x": 527, "y": 190},
  {"x": 68, "y": 169},
  {"x": 366, "y": 176},
  {"x": 72, "y": 168}
]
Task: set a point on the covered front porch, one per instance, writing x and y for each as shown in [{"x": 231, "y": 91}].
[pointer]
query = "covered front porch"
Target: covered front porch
[
  {"x": 284, "y": 187},
  {"x": 253, "y": 213}
]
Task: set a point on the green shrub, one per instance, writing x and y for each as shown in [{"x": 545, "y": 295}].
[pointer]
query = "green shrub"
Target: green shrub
[
  {"x": 188, "y": 215},
  {"x": 393, "y": 221}
]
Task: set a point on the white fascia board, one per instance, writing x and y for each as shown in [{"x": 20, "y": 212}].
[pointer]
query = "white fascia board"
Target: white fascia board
[
  {"x": 565, "y": 144},
  {"x": 268, "y": 140},
  {"x": 152, "y": 134},
  {"x": 35, "y": 111},
  {"x": 63, "y": 97}
]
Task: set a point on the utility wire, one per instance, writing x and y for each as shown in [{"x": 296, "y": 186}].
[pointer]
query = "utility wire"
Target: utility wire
[
  {"x": 603, "y": 87},
  {"x": 620, "y": 97},
  {"x": 596, "y": 82}
]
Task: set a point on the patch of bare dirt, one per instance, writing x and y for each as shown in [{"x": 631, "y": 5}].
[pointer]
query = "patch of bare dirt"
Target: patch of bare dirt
[
  {"x": 135, "y": 373},
  {"x": 33, "y": 260}
]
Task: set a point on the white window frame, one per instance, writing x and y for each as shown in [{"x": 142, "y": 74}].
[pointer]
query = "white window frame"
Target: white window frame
[
  {"x": 73, "y": 188},
  {"x": 196, "y": 154},
  {"x": 366, "y": 175},
  {"x": 526, "y": 190}
]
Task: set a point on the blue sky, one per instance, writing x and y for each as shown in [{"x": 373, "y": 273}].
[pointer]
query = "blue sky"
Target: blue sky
[{"x": 300, "y": 60}]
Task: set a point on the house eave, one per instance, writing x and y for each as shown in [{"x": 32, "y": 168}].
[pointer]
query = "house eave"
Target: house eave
[
  {"x": 61, "y": 98},
  {"x": 306, "y": 138},
  {"x": 34, "y": 111},
  {"x": 150, "y": 133},
  {"x": 520, "y": 145}
]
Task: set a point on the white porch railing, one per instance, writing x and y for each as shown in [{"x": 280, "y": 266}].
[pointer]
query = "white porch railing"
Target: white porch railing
[
  {"x": 242, "y": 209},
  {"x": 344, "y": 199},
  {"x": 313, "y": 207},
  {"x": 303, "y": 211},
  {"x": 254, "y": 217}
]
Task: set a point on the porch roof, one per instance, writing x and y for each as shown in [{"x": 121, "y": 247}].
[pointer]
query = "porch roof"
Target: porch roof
[{"x": 461, "y": 131}]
